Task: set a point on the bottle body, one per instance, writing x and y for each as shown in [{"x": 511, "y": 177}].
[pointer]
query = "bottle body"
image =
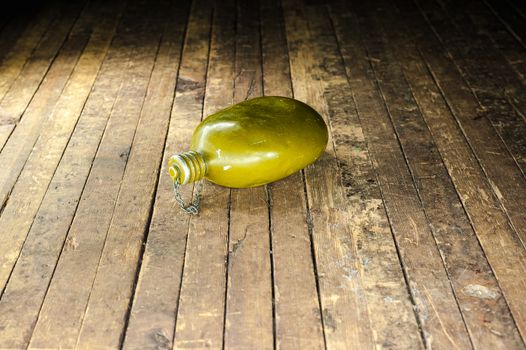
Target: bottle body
[{"x": 255, "y": 142}]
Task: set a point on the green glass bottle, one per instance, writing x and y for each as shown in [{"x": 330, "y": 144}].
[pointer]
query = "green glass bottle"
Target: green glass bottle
[{"x": 252, "y": 143}]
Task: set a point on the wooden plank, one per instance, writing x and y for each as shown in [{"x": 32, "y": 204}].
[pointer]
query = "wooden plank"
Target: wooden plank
[
  {"x": 5, "y": 132},
  {"x": 158, "y": 105},
  {"x": 364, "y": 299},
  {"x": 486, "y": 315},
  {"x": 512, "y": 50},
  {"x": 505, "y": 177},
  {"x": 130, "y": 65},
  {"x": 437, "y": 310},
  {"x": 17, "y": 26},
  {"x": 510, "y": 17},
  {"x": 200, "y": 317},
  {"x": 487, "y": 73},
  {"x": 17, "y": 216},
  {"x": 21, "y": 79},
  {"x": 154, "y": 309},
  {"x": 249, "y": 299},
  {"x": 10, "y": 33},
  {"x": 13, "y": 56},
  {"x": 119, "y": 263},
  {"x": 21, "y": 142},
  {"x": 297, "y": 309},
  {"x": 518, "y": 6},
  {"x": 17, "y": 42},
  {"x": 488, "y": 24},
  {"x": 29, "y": 279},
  {"x": 501, "y": 246}
]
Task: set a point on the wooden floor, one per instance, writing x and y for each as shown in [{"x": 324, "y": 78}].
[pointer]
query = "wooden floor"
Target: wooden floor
[{"x": 409, "y": 232}]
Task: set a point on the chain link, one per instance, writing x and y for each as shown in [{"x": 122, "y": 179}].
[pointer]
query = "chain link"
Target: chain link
[{"x": 193, "y": 207}]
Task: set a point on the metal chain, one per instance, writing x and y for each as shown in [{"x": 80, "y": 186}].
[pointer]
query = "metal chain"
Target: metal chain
[{"x": 193, "y": 207}]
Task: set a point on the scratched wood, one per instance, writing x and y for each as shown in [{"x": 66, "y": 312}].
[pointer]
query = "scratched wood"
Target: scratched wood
[
  {"x": 501, "y": 169},
  {"x": 375, "y": 247},
  {"x": 17, "y": 149},
  {"x": 249, "y": 282},
  {"x": 436, "y": 306},
  {"x": 487, "y": 73},
  {"x": 119, "y": 79},
  {"x": 155, "y": 305},
  {"x": 15, "y": 55},
  {"x": 342, "y": 260},
  {"x": 118, "y": 264},
  {"x": 45, "y": 239},
  {"x": 501, "y": 245},
  {"x": 500, "y": 90},
  {"x": 23, "y": 74},
  {"x": 297, "y": 307},
  {"x": 513, "y": 19},
  {"x": 490, "y": 26},
  {"x": 200, "y": 316},
  {"x": 18, "y": 38},
  {"x": 408, "y": 233},
  {"x": 451, "y": 228},
  {"x": 17, "y": 216}
]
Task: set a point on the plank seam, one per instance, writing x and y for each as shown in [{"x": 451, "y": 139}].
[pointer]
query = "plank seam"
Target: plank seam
[
  {"x": 114, "y": 206},
  {"x": 156, "y": 189},
  {"x": 69, "y": 227},
  {"x": 508, "y": 27},
  {"x": 464, "y": 75},
  {"x": 268, "y": 191},
  {"x": 229, "y": 209},
  {"x": 466, "y": 138},
  {"x": 49, "y": 184},
  {"x": 8, "y": 195},
  {"x": 308, "y": 218},
  {"x": 462, "y": 202},
  {"x": 381, "y": 93},
  {"x": 64, "y": 41},
  {"x": 44, "y": 33},
  {"x": 395, "y": 241},
  {"x": 151, "y": 205},
  {"x": 194, "y": 185}
]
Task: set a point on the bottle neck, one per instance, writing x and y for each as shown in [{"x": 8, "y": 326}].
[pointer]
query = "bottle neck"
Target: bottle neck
[{"x": 187, "y": 167}]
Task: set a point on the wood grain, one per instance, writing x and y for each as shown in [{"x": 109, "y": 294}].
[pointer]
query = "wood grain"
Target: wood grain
[
  {"x": 120, "y": 79},
  {"x": 14, "y": 57},
  {"x": 29, "y": 75},
  {"x": 487, "y": 73},
  {"x": 41, "y": 108},
  {"x": 508, "y": 14},
  {"x": 505, "y": 177},
  {"x": 138, "y": 145},
  {"x": 200, "y": 317},
  {"x": 28, "y": 281},
  {"x": 405, "y": 234},
  {"x": 249, "y": 300},
  {"x": 501, "y": 245},
  {"x": 488, "y": 319},
  {"x": 154, "y": 309},
  {"x": 343, "y": 258},
  {"x": 436, "y": 306},
  {"x": 297, "y": 309},
  {"x": 32, "y": 184},
  {"x": 489, "y": 25}
]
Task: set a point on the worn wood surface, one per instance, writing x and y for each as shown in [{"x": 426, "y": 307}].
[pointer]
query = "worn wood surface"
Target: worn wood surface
[
  {"x": 296, "y": 303},
  {"x": 200, "y": 316},
  {"x": 409, "y": 232}
]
